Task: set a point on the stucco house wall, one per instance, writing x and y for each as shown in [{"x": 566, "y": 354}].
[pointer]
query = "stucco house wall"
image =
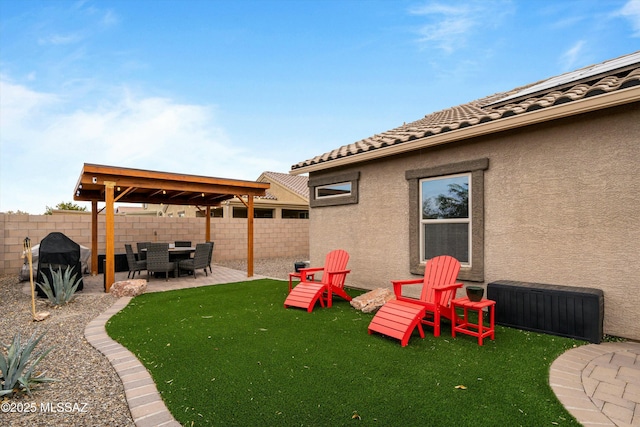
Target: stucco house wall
[{"x": 561, "y": 206}]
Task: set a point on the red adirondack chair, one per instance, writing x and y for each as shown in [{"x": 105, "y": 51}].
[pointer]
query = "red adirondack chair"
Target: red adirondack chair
[
  {"x": 398, "y": 318},
  {"x": 305, "y": 294}
]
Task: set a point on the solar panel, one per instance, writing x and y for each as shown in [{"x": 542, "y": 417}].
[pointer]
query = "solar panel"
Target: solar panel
[{"x": 575, "y": 76}]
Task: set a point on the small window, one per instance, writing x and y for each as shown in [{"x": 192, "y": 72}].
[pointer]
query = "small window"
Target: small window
[
  {"x": 263, "y": 213},
  {"x": 241, "y": 212},
  {"x": 216, "y": 212},
  {"x": 333, "y": 190},
  {"x": 295, "y": 214}
]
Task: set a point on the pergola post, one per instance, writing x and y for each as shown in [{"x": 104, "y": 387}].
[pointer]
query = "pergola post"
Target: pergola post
[
  {"x": 250, "y": 236},
  {"x": 94, "y": 237},
  {"x": 207, "y": 234},
  {"x": 110, "y": 268}
]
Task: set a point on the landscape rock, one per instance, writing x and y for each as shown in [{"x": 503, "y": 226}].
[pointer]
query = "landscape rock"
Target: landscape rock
[
  {"x": 373, "y": 300},
  {"x": 128, "y": 288}
]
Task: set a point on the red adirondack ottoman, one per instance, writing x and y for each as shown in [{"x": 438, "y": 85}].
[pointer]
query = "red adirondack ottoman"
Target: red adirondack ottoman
[
  {"x": 334, "y": 273},
  {"x": 398, "y": 318}
]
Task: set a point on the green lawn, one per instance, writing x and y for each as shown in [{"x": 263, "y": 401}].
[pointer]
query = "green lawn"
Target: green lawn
[{"x": 233, "y": 355}]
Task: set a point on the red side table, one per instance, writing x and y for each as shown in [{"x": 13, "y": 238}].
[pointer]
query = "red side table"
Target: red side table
[
  {"x": 298, "y": 276},
  {"x": 464, "y": 326}
]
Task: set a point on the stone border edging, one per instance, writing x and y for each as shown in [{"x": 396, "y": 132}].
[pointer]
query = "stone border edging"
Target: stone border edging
[{"x": 145, "y": 404}]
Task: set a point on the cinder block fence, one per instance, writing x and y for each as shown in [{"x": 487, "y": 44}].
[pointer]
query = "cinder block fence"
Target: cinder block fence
[{"x": 273, "y": 237}]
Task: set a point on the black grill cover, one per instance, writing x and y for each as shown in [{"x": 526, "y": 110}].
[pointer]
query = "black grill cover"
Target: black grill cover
[{"x": 58, "y": 251}]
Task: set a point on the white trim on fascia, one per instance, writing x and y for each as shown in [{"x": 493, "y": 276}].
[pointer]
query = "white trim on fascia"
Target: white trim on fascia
[{"x": 608, "y": 100}]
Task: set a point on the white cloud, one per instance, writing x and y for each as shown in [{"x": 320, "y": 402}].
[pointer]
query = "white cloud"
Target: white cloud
[
  {"x": 17, "y": 102},
  {"x": 450, "y": 27},
  {"x": 571, "y": 57},
  {"x": 631, "y": 11},
  {"x": 567, "y": 22},
  {"x": 110, "y": 18},
  {"x": 59, "y": 39},
  {"x": 43, "y": 147}
]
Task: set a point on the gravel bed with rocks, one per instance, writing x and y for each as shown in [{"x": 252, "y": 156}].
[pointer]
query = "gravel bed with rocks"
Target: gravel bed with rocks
[{"x": 88, "y": 391}]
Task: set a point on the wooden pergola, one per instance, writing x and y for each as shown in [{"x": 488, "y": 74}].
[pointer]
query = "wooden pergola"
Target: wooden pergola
[{"x": 109, "y": 184}]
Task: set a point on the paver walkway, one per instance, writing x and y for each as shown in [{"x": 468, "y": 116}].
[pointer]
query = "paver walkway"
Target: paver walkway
[{"x": 599, "y": 384}]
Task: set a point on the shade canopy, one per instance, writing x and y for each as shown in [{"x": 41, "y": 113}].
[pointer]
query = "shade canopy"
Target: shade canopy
[
  {"x": 144, "y": 186},
  {"x": 109, "y": 184}
]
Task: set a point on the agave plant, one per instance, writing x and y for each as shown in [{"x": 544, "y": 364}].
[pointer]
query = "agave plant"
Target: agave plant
[
  {"x": 63, "y": 287},
  {"x": 17, "y": 368}
]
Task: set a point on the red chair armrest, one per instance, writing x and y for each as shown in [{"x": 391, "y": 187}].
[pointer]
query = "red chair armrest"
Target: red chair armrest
[
  {"x": 448, "y": 287},
  {"x": 305, "y": 273},
  {"x": 310, "y": 270},
  {"x": 398, "y": 284},
  {"x": 339, "y": 272}
]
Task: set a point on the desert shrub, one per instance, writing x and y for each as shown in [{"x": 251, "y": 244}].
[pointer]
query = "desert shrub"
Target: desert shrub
[
  {"x": 63, "y": 288},
  {"x": 17, "y": 366}
]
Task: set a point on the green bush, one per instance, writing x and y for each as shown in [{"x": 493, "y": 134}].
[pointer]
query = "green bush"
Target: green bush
[
  {"x": 17, "y": 368},
  {"x": 63, "y": 288}
]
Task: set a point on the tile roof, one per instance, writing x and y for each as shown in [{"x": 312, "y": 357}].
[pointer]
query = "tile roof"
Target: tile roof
[
  {"x": 298, "y": 184},
  {"x": 497, "y": 107}
]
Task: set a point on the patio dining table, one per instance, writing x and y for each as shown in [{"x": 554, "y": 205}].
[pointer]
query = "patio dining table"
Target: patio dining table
[
  {"x": 180, "y": 253},
  {"x": 176, "y": 254}
]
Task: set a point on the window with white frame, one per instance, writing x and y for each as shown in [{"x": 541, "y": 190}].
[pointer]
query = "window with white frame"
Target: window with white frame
[
  {"x": 446, "y": 215},
  {"x": 445, "y": 224}
]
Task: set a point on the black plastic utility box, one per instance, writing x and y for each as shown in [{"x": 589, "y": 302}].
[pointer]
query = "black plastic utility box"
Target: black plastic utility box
[{"x": 559, "y": 310}]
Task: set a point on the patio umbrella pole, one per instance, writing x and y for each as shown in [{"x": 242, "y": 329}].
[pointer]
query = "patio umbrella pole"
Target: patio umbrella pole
[{"x": 44, "y": 314}]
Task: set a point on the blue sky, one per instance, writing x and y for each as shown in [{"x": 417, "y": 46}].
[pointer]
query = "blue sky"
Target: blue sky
[{"x": 234, "y": 88}]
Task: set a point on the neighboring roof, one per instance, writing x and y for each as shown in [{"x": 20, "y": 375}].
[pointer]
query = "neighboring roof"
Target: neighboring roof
[
  {"x": 580, "y": 91},
  {"x": 144, "y": 186},
  {"x": 297, "y": 184}
]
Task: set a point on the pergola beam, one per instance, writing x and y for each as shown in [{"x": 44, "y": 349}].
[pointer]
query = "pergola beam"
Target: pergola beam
[{"x": 100, "y": 183}]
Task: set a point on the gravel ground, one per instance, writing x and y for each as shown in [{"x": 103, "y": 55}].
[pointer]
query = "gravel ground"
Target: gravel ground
[
  {"x": 88, "y": 391},
  {"x": 277, "y": 268},
  {"x": 87, "y": 382}
]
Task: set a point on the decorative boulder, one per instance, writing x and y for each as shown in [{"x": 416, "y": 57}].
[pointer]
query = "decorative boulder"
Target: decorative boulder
[
  {"x": 373, "y": 300},
  {"x": 128, "y": 288}
]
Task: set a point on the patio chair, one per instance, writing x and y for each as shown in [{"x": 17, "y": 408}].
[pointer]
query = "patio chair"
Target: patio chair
[
  {"x": 182, "y": 244},
  {"x": 305, "y": 294},
  {"x": 142, "y": 254},
  {"x": 200, "y": 260},
  {"x": 134, "y": 265},
  {"x": 398, "y": 318},
  {"x": 210, "y": 256},
  {"x": 158, "y": 260}
]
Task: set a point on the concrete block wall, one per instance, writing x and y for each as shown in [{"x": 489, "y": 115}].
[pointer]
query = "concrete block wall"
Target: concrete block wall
[{"x": 273, "y": 238}]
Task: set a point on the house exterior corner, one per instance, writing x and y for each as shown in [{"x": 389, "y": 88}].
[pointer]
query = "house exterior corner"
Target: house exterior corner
[{"x": 559, "y": 205}]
